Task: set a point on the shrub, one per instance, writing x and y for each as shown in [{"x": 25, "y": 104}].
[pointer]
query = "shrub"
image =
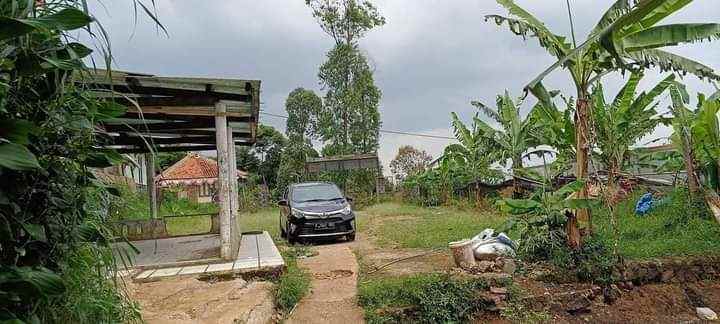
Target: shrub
[{"x": 425, "y": 298}]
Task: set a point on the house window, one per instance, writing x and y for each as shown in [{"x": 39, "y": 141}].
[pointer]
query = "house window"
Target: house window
[{"x": 206, "y": 190}]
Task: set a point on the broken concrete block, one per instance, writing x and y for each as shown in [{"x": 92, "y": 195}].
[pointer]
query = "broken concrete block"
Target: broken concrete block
[{"x": 706, "y": 313}]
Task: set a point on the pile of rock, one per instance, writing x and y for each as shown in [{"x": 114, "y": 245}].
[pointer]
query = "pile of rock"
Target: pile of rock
[{"x": 496, "y": 264}]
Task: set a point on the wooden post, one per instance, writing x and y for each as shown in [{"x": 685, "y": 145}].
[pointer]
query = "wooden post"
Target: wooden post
[
  {"x": 150, "y": 182},
  {"x": 223, "y": 186},
  {"x": 235, "y": 232}
]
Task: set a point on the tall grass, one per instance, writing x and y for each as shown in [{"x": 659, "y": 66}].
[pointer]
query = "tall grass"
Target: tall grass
[{"x": 676, "y": 227}]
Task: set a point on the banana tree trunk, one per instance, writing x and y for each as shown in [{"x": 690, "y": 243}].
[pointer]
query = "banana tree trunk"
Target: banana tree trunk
[
  {"x": 516, "y": 165},
  {"x": 581, "y": 167},
  {"x": 689, "y": 159}
]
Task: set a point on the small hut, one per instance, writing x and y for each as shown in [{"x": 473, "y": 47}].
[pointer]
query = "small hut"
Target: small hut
[{"x": 195, "y": 176}]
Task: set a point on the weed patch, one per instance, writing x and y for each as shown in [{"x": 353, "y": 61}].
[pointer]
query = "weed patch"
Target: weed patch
[
  {"x": 425, "y": 298},
  {"x": 293, "y": 284}
]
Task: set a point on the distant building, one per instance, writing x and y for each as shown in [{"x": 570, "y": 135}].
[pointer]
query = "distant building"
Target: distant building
[
  {"x": 194, "y": 177},
  {"x": 130, "y": 173}
]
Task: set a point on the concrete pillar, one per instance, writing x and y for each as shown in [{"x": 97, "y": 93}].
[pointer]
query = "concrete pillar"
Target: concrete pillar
[
  {"x": 234, "y": 208},
  {"x": 223, "y": 184},
  {"x": 150, "y": 182}
]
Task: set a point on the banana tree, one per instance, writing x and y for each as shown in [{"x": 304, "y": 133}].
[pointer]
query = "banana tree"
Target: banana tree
[
  {"x": 471, "y": 153},
  {"x": 515, "y": 134},
  {"x": 620, "y": 124},
  {"x": 626, "y": 36},
  {"x": 555, "y": 127}
]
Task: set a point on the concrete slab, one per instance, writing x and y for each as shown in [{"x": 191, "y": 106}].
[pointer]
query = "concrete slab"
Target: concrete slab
[
  {"x": 167, "y": 272},
  {"x": 145, "y": 274},
  {"x": 170, "y": 250},
  {"x": 219, "y": 267},
  {"x": 246, "y": 265},
  {"x": 193, "y": 269},
  {"x": 256, "y": 251}
]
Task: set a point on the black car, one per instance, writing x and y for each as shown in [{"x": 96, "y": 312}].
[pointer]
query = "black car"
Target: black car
[{"x": 314, "y": 210}]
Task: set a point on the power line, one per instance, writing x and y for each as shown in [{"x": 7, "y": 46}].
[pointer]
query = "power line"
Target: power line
[{"x": 382, "y": 130}]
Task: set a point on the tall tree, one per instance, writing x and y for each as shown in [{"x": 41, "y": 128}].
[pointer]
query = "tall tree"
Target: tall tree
[
  {"x": 349, "y": 120},
  {"x": 302, "y": 106},
  {"x": 264, "y": 157},
  {"x": 409, "y": 161},
  {"x": 625, "y": 36},
  {"x": 622, "y": 123}
]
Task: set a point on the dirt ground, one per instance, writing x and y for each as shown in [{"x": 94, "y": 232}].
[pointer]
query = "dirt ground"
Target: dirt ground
[
  {"x": 654, "y": 303},
  {"x": 333, "y": 290},
  {"x": 189, "y": 300}
]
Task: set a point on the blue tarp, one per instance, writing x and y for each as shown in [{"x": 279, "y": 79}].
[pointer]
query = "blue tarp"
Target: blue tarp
[{"x": 644, "y": 204}]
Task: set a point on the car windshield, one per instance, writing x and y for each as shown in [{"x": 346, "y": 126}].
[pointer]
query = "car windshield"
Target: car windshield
[{"x": 319, "y": 192}]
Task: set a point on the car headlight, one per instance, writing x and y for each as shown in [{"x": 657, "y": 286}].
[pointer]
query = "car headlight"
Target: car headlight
[
  {"x": 346, "y": 211},
  {"x": 297, "y": 213}
]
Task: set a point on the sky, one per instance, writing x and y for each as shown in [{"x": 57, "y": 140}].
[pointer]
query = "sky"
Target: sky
[{"x": 431, "y": 58}]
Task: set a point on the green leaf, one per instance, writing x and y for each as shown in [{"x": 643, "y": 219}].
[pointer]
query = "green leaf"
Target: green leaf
[
  {"x": 66, "y": 19},
  {"x": 669, "y": 35},
  {"x": 667, "y": 61},
  {"x": 570, "y": 188},
  {"x": 16, "y": 130},
  {"x": 17, "y": 157},
  {"x": 36, "y": 231},
  {"x": 11, "y": 28},
  {"x": 108, "y": 109}
]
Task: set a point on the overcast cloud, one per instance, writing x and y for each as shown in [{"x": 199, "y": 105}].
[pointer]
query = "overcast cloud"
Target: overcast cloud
[{"x": 432, "y": 57}]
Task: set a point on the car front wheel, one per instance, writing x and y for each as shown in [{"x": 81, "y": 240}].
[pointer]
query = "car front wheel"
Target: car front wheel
[{"x": 351, "y": 237}]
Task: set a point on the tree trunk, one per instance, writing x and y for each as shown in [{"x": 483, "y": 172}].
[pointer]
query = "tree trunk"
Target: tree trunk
[
  {"x": 582, "y": 148},
  {"x": 689, "y": 159},
  {"x": 517, "y": 164}
]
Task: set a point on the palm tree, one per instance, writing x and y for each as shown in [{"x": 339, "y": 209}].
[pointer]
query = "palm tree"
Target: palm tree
[
  {"x": 620, "y": 124},
  {"x": 625, "y": 37}
]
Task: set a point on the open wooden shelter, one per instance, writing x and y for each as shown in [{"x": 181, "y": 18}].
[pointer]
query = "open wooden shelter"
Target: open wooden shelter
[{"x": 184, "y": 114}]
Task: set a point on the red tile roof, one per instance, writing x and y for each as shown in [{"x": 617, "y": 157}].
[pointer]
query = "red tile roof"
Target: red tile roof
[{"x": 193, "y": 166}]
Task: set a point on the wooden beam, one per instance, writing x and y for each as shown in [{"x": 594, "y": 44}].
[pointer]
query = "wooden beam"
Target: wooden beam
[
  {"x": 141, "y": 141},
  {"x": 174, "y": 148},
  {"x": 239, "y": 111}
]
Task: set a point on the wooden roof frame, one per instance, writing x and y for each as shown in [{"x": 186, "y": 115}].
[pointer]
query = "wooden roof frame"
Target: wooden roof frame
[{"x": 167, "y": 114}]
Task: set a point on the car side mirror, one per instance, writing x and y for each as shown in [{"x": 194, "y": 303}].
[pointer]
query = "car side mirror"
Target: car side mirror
[
  {"x": 282, "y": 202},
  {"x": 349, "y": 199}
]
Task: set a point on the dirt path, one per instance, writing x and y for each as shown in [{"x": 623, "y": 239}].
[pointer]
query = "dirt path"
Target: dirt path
[{"x": 333, "y": 291}]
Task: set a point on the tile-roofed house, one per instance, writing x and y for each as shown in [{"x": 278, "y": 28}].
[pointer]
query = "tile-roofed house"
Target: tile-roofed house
[{"x": 195, "y": 174}]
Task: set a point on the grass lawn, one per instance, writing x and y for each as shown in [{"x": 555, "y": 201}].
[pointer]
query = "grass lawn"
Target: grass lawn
[
  {"x": 265, "y": 219},
  {"x": 408, "y": 226},
  {"x": 668, "y": 230}
]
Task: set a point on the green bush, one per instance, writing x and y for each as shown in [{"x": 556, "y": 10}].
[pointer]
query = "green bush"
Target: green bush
[{"x": 424, "y": 298}]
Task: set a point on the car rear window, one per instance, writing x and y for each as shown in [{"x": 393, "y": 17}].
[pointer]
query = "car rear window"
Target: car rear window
[{"x": 319, "y": 192}]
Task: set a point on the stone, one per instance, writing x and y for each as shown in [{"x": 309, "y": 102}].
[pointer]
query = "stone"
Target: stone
[
  {"x": 706, "y": 313},
  {"x": 509, "y": 266},
  {"x": 667, "y": 275},
  {"x": 484, "y": 266},
  {"x": 498, "y": 290},
  {"x": 611, "y": 294}
]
